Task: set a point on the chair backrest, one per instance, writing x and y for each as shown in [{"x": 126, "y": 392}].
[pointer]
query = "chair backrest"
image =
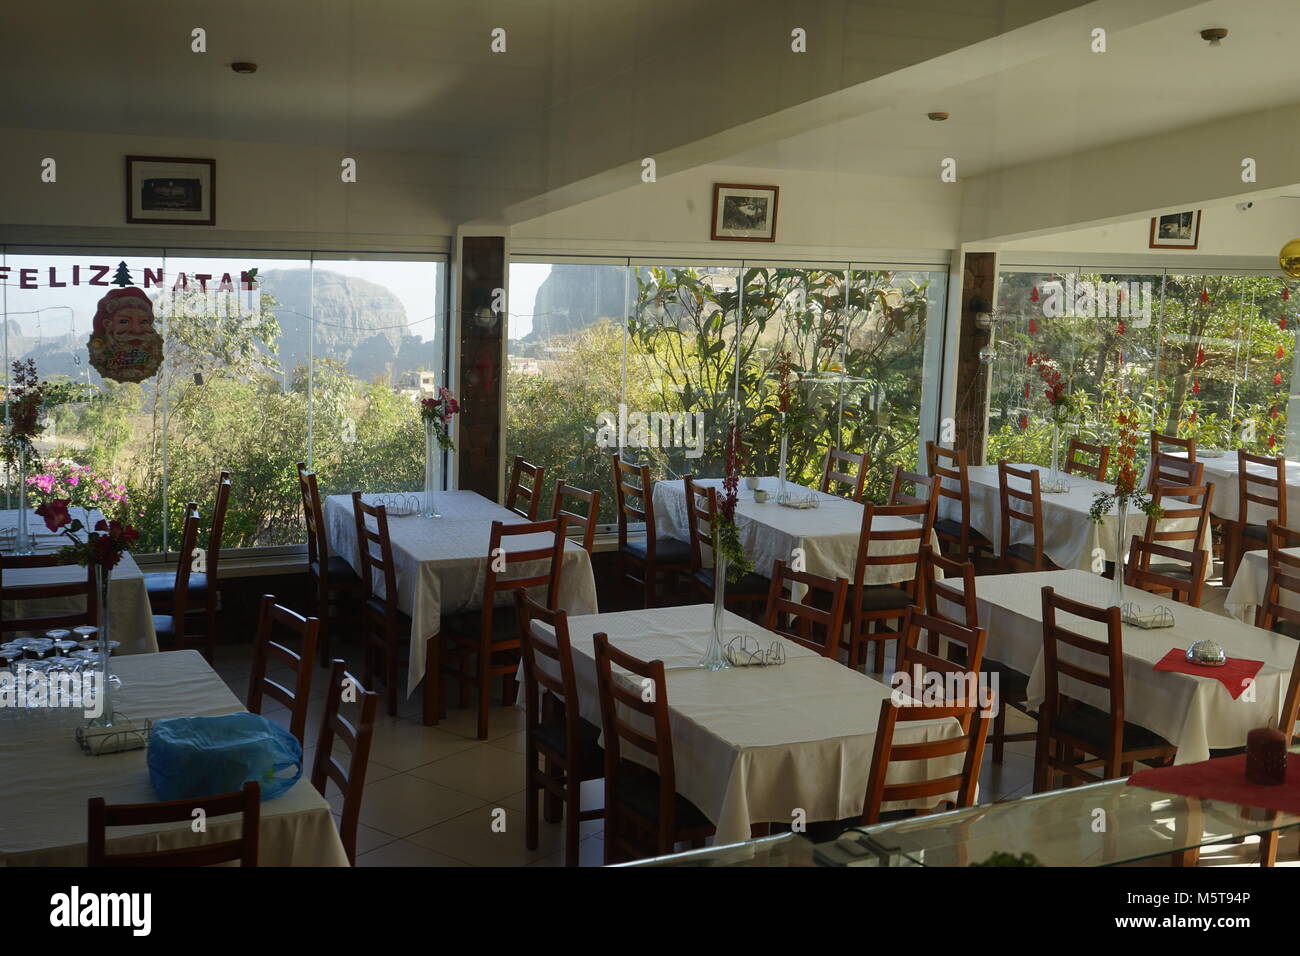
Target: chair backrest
[
  {"x": 1267, "y": 489},
  {"x": 375, "y": 554},
  {"x": 247, "y": 802},
  {"x": 1175, "y": 470},
  {"x": 965, "y": 708},
  {"x": 934, "y": 587},
  {"x": 81, "y": 585},
  {"x": 959, "y": 672},
  {"x": 916, "y": 530},
  {"x": 565, "y": 491},
  {"x": 701, "y": 508},
  {"x": 1107, "y": 658},
  {"x": 300, "y": 662},
  {"x": 1280, "y": 539},
  {"x": 1077, "y": 463},
  {"x": 546, "y": 688},
  {"x": 922, "y": 488},
  {"x": 313, "y": 515},
  {"x": 355, "y": 735},
  {"x": 1280, "y": 602},
  {"x": 1029, "y": 510},
  {"x": 531, "y": 491},
  {"x": 185, "y": 564},
  {"x": 1291, "y": 701},
  {"x": 840, "y": 471},
  {"x": 498, "y": 580},
  {"x": 1161, "y": 441},
  {"x": 657, "y": 746},
  {"x": 804, "y": 622},
  {"x": 634, "y": 495},
  {"x": 951, "y": 474},
  {"x": 220, "y": 504},
  {"x": 1138, "y": 572},
  {"x": 1188, "y": 505}
]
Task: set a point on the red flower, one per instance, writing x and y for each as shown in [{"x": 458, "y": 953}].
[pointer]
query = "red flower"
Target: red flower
[
  {"x": 1200, "y": 355},
  {"x": 1205, "y": 295},
  {"x": 1024, "y": 422},
  {"x": 1033, "y": 326},
  {"x": 55, "y": 513},
  {"x": 1121, "y": 328},
  {"x": 1033, "y": 295},
  {"x": 1193, "y": 418},
  {"x": 1277, "y": 378},
  {"x": 1196, "y": 386},
  {"x": 1281, "y": 352}
]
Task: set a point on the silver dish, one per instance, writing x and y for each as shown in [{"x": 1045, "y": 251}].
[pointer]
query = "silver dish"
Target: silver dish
[{"x": 1207, "y": 654}]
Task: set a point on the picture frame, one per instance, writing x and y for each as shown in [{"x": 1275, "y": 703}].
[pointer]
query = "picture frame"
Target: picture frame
[
  {"x": 1176, "y": 230},
  {"x": 744, "y": 212},
  {"x": 169, "y": 190}
]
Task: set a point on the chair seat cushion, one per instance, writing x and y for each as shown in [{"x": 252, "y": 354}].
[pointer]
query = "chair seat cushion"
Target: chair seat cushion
[
  {"x": 638, "y": 789},
  {"x": 884, "y": 597},
  {"x": 667, "y": 550},
  {"x": 952, "y": 528},
  {"x": 1290, "y": 628},
  {"x": 164, "y": 627},
  {"x": 751, "y": 583},
  {"x": 592, "y": 757},
  {"x": 1092, "y": 726},
  {"x": 1012, "y": 685},
  {"x": 1023, "y": 552},
  {"x": 1171, "y": 569},
  {"x": 380, "y": 607},
  {"x": 341, "y": 574},
  {"x": 1258, "y": 531},
  {"x": 504, "y": 626},
  {"x": 159, "y": 585}
]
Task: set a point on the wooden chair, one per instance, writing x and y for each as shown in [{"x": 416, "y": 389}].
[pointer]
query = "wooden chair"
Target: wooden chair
[
  {"x": 1076, "y": 462},
  {"x": 802, "y": 621},
  {"x": 1280, "y": 539},
  {"x": 171, "y": 628},
  {"x": 203, "y": 588},
  {"x": 967, "y": 712},
  {"x": 644, "y": 813},
  {"x": 652, "y": 555},
  {"x": 952, "y": 481},
  {"x": 554, "y": 731},
  {"x": 1268, "y": 490},
  {"x": 1114, "y": 743},
  {"x": 871, "y": 606},
  {"x": 922, "y": 488},
  {"x": 832, "y": 475},
  {"x": 247, "y": 803},
  {"x": 1195, "y": 504},
  {"x": 531, "y": 493},
  {"x": 1022, "y": 556},
  {"x": 1175, "y": 470},
  {"x": 1279, "y": 608},
  {"x": 745, "y": 595},
  {"x": 1012, "y": 685},
  {"x": 1286, "y": 724},
  {"x": 383, "y": 622},
  {"x": 80, "y": 586},
  {"x": 331, "y": 574},
  {"x": 1183, "y": 586},
  {"x": 300, "y": 662},
  {"x": 1161, "y": 441},
  {"x": 588, "y": 523},
  {"x": 489, "y": 637},
  {"x": 355, "y": 737}
]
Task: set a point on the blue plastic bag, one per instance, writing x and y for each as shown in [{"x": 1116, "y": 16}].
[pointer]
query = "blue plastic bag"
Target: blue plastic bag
[{"x": 202, "y": 756}]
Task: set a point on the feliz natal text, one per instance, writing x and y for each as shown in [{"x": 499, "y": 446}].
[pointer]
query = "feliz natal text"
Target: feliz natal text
[{"x": 97, "y": 275}]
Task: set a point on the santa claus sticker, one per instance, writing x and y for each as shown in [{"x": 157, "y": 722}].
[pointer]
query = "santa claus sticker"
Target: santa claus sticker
[{"x": 123, "y": 344}]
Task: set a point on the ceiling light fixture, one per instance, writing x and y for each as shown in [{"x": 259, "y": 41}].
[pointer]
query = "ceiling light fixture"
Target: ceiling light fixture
[
  {"x": 244, "y": 67},
  {"x": 1214, "y": 35},
  {"x": 937, "y": 117}
]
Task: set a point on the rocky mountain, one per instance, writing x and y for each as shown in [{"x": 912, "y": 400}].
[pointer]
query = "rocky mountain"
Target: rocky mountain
[{"x": 573, "y": 297}]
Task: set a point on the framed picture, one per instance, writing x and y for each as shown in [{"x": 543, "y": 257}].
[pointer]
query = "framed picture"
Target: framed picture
[
  {"x": 744, "y": 213},
  {"x": 161, "y": 189},
  {"x": 1176, "y": 230}
]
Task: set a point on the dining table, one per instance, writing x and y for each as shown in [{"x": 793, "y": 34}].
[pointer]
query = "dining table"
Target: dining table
[
  {"x": 48, "y": 779},
  {"x": 758, "y": 744},
  {"x": 1222, "y": 468},
  {"x": 1071, "y": 539},
  {"x": 1194, "y": 712},
  {"x": 1247, "y": 590},
  {"x": 826, "y": 536},
  {"x": 129, "y": 615},
  {"x": 441, "y": 563}
]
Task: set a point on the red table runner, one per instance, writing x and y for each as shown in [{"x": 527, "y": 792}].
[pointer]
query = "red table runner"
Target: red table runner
[
  {"x": 1233, "y": 675},
  {"x": 1224, "y": 778}
]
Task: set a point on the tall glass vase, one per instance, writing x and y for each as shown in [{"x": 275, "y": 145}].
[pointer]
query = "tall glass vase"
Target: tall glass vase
[
  {"x": 1121, "y": 542},
  {"x": 23, "y": 542},
  {"x": 1056, "y": 449},
  {"x": 103, "y": 577},
  {"x": 715, "y": 658},
  {"x": 432, "y": 459},
  {"x": 780, "y": 467}
]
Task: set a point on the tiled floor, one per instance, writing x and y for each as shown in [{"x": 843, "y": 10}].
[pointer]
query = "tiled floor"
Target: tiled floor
[{"x": 438, "y": 796}]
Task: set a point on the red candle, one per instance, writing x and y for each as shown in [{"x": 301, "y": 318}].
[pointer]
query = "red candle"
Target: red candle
[{"x": 1266, "y": 756}]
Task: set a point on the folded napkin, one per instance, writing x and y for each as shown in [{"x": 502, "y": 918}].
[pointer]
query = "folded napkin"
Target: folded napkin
[
  {"x": 1224, "y": 778},
  {"x": 1234, "y": 673},
  {"x": 124, "y": 735}
]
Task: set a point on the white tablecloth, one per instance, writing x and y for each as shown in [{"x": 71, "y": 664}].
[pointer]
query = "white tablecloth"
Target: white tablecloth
[
  {"x": 828, "y": 534},
  {"x": 48, "y": 780},
  {"x": 1069, "y": 537},
  {"x": 442, "y": 562},
  {"x": 1247, "y": 591},
  {"x": 130, "y": 620},
  {"x": 753, "y": 744},
  {"x": 1194, "y": 713},
  {"x": 1223, "y": 473}
]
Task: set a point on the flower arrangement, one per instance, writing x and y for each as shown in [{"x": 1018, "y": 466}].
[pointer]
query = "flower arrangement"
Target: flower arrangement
[
  {"x": 1055, "y": 391},
  {"x": 1126, "y": 491},
  {"x": 438, "y": 412},
  {"x": 103, "y": 546},
  {"x": 79, "y": 485},
  {"x": 25, "y": 401},
  {"x": 726, "y": 534}
]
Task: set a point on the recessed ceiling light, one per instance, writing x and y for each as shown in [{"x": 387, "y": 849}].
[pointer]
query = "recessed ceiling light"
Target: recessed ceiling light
[
  {"x": 937, "y": 117},
  {"x": 244, "y": 67},
  {"x": 1214, "y": 35}
]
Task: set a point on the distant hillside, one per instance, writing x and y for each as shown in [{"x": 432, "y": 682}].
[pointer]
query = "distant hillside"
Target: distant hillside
[{"x": 573, "y": 297}]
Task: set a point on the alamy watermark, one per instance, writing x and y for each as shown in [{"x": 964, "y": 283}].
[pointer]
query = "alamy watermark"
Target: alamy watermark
[
  {"x": 951, "y": 689},
  {"x": 25, "y": 688},
  {"x": 1083, "y": 298},
  {"x": 651, "y": 430}
]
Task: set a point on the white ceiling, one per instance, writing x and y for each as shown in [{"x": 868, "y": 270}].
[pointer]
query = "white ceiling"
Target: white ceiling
[{"x": 1156, "y": 76}]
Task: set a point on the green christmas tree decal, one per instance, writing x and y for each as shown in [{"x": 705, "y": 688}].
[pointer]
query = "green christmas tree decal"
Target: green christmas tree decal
[{"x": 123, "y": 276}]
